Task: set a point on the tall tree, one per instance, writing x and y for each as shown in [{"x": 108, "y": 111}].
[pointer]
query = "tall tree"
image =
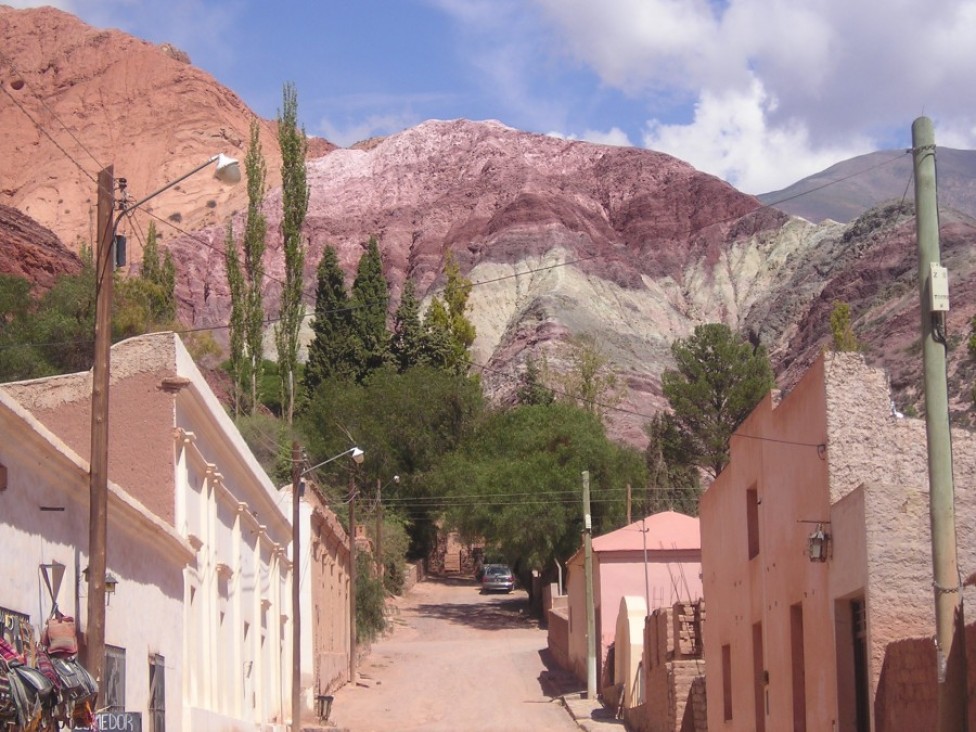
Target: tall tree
[
  {"x": 718, "y": 380},
  {"x": 407, "y": 341},
  {"x": 237, "y": 287},
  {"x": 330, "y": 353},
  {"x": 255, "y": 243},
  {"x": 294, "y": 202},
  {"x": 673, "y": 481},
  {"x": 370, "y": 298}
]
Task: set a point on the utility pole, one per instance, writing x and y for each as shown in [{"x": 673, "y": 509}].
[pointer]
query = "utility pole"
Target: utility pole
[
  {"x": 296, "y": 587},
  {"x": 379, "y": 530},
  {"x": 588, "y": 572},
  {"x": 629, "y": 519},
  {"x": 933, "y": 292},
  {"x": 352, "y": 578},
  {"x": 98, "y": 472}
]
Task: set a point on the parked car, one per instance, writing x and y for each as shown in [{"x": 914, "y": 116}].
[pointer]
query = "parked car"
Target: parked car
[{"x": 497, "y": 578}]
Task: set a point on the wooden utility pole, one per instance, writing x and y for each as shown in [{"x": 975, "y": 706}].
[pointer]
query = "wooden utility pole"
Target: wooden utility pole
[
  {"x": 296, "y": 587},
  {"x": 933, "y": 291},
  {"x": 381, "y": 567},
  {"x": 352, "y": 578},
  {"x": 588, "y": 572},
  {"x": 98, "y": 474}
]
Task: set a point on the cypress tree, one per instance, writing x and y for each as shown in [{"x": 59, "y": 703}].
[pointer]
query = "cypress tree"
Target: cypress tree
[
  {"x": 255, "y": 243},
  {"x": 370, "y": 299},
  {"x": 330, "y": 351}
]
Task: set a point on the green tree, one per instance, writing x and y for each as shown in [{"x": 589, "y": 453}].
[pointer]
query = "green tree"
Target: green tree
[
  {"x": 718, "y": 380},
  {"x": 516, "y": 482},
  {"x": 255, "y": 244},
  {"x": 162, "y": 274},
  {"x": 407, "y": 343},
  {"x": 370, "y": 298},
  {"x": 841, "y": 328},
  {"x": 294, "y": 202},
  {"x": 673, "y": 482},
  {"x": 449, "y": 333},
  {"x": 532, "y": 388},
  {"x": 590, "y": 383},
  {"x": 405, "y": 422},
  {"x": 236, "y": 364},
  {"x": 331, "y": 350}
]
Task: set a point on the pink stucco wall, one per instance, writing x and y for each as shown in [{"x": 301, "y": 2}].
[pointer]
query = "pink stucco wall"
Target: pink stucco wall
[
  {"x": 673, "y": 571},
  {"x": 832, "y": 451}
]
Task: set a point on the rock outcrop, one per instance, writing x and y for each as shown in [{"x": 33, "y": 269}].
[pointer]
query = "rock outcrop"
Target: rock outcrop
[{"x": 30, "y": 251}]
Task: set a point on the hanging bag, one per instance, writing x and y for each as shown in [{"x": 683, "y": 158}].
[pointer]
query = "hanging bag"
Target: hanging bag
[{"x": 60, "y": 635}]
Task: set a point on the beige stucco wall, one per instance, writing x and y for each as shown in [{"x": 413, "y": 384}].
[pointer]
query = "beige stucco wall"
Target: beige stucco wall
[
  {"x": 180, "y": 454},
  {"x": 44, "y": 518},
  {"x": 328, "y": 629}
]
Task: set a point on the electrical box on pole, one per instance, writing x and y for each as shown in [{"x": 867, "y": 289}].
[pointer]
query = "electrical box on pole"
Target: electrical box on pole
[{"x": 938, "y": 288}]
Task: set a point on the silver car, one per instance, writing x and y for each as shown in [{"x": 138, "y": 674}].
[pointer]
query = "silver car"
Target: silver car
[{"x": 497, "y": 578}]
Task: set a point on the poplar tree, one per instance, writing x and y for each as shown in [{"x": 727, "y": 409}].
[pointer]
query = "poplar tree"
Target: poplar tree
[
  {"x": 294, "y": 203},
  {"x": 255, "y": 243},
  {"x": 235, "y": 282}
]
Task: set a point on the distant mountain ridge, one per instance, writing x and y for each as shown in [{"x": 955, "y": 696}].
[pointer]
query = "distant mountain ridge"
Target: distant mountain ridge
[
  {"x": 846, "y": 190},
  {"x": 560, "y": 238}
]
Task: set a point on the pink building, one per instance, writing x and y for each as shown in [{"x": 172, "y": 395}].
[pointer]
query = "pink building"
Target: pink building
[
  {"x": 670, "y": 574},
  {"x": 794, "y": 643}
]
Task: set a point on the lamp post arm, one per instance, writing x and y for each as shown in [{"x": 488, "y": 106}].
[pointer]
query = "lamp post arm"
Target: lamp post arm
[
  {"x": 129, "y": 207},
  {"x": 351, "y": 451}
]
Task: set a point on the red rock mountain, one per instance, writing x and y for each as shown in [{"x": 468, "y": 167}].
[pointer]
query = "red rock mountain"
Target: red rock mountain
[
  {"x": 75, "y": 99},
  {"x": 560, "y": 238}
]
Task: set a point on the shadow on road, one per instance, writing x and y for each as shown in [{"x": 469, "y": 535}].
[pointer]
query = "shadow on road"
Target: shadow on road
[
  {"x": 484, "y": 612},
  {"x": 555, "y": 680}
]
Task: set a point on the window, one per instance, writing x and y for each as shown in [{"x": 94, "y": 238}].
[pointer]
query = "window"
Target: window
[
  {"x": 157, "y": 693},
  {"x": 114, "y": 698},
  {"x": 727, "y": 680},
  {"x": 760, "y": 678},
  {"x": 752, "y": 521}
]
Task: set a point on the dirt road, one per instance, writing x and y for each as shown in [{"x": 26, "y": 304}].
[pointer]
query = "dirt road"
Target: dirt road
[{"x": 457, "y": 661}]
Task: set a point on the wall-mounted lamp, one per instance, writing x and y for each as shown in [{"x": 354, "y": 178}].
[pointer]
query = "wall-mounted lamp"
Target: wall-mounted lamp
[
  {"x": 818, "y": 544},
  {"x": 111, "y": 583}
]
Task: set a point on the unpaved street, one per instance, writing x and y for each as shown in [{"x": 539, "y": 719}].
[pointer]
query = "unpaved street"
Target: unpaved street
[{"x": 457, "y": 661}]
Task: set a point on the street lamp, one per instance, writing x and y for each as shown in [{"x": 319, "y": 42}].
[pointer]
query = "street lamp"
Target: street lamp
[
  {"x": 297, "y": 474},
  {"x": 228, "y": 171}
]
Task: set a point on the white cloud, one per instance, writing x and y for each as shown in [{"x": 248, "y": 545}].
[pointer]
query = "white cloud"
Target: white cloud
[
  {"x": 834, "y": 77},
  {"x": 731, "y": 137},
  {"x": 376, "y": 125},
  {"x": 614, "y": 136}
]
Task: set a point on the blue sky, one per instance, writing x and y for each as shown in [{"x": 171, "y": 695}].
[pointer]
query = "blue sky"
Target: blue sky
[{"x": 758, "y": 92}]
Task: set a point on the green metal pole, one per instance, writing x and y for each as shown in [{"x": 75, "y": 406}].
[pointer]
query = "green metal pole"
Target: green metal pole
[{"x": 949, "y": 634}]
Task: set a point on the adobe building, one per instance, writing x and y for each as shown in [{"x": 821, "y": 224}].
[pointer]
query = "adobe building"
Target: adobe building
[
  {"x": 656, "y": 561},
  {"x": 817, "y": 560}
]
